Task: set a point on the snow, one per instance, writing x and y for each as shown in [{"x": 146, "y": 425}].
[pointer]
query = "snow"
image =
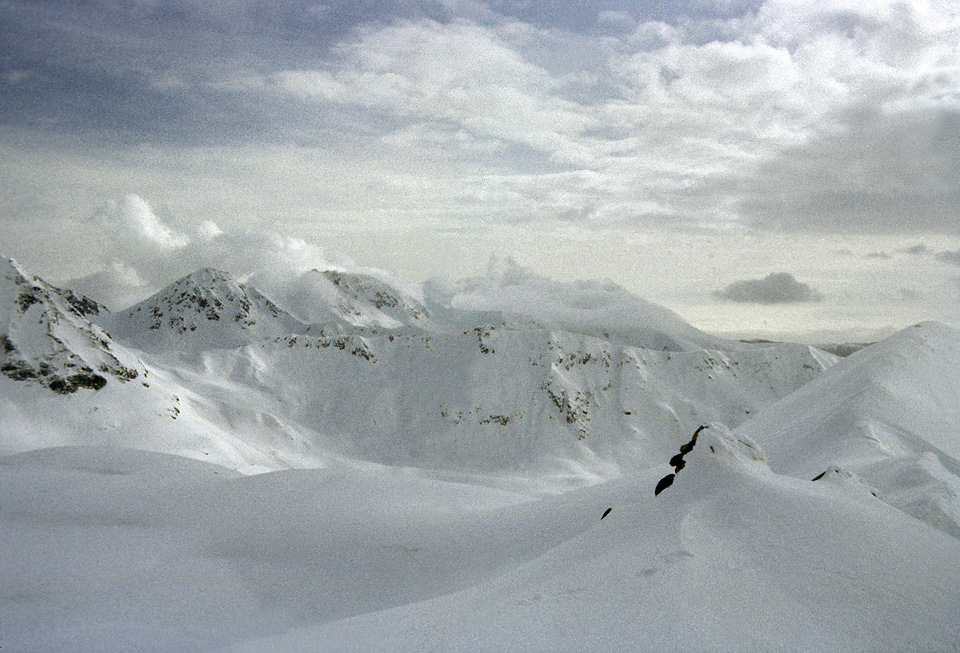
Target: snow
[
  {"x": 407, "y": 475},
  {"x": 730, "y": 558},
  {"x": 890, "y": 414},
  {"x": 209, "y": 307},
  {"x": 141, "y": 551}
]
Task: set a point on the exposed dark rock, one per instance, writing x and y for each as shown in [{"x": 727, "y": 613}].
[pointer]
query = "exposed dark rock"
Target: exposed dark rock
[
  {"x": 82, "y": 304},
  {"x": 677, "y": 462},
  {"x": 18, "y": 371},
  {"x": 664, "y": 483},
  {"x": 73, "y": 383}
]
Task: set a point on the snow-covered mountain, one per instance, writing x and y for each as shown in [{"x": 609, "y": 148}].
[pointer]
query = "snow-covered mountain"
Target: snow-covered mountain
[
  {"x": 344, "y": 300},
  {"x": 67, "y": 382},
  {"x": 601, "y": 309},
  {"x": 472, "y": 468},
  {"x": 45, "y": 336},
  {"x": 493, "y": 398},
  {"x": 204, "y": 310},
  {"x": 366, "y": 299},
  {"x": 482, "y": 388}
]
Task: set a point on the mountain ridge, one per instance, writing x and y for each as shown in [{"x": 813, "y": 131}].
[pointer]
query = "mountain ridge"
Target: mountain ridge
[
  {"x": 45, "y": 336},
  {"x": 478, "y": 388}
]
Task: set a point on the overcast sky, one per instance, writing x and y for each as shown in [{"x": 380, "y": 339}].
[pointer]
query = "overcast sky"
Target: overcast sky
[{"x": 694, "y": 152}]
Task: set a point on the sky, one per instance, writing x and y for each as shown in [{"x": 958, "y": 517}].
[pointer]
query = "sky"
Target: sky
[{"x": 780, "y": 169}]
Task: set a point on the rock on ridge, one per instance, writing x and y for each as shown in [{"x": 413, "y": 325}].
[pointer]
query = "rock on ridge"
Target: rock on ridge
[{"x": 369, "y": 290}]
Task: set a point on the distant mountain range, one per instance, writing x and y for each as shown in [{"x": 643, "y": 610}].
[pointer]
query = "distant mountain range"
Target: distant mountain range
[{"x": 572, "y": 383}]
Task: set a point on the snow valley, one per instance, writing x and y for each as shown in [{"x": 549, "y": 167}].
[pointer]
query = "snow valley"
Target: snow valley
[{"x": 330, "y": 462}]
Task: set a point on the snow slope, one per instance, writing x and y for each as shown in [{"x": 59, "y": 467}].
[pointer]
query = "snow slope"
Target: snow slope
[
  {"x": 66, "y": 382},
  {"x": 140, "y": 551},
  {"x": 492, "y": 398},
  {"x": 888, "y": 414},
  {"x": 731, "y": 557},
  {"x": 45, "y": 338},
  {"x": 466, "y": 391},
  {"x": 472, "y": 472}
]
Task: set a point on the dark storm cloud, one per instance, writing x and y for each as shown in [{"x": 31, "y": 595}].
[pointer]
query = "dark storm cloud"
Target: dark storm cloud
[{"x": 775, "y": 288}]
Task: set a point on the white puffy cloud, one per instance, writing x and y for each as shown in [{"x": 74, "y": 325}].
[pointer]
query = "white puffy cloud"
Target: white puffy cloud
[
  {"x": 783, "y": 114},
  {"x": 783, "y": 118},
  {"x": 142, "y": 254},
  {"x": 135, "y": 229},
  {"x": 458, "y": 73},
  {"x": 775, "y": 288}
]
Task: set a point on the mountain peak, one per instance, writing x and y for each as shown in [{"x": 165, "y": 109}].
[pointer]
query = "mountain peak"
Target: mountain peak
[
  {"x": 47, "y": 338},
  {"x": 203, "y": 310},
  {"x": 209, "y": 276},
  {"x": 368, "y": 289}
]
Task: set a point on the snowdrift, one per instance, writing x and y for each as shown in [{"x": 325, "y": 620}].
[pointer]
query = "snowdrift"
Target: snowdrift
[
  {"x": 140, "y": 551},
  {"x": 888, "y": 415}
]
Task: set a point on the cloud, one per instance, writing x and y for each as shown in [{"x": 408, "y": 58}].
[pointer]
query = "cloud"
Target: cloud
[
  {"x": 949, "y": 257},
  {"x": 142, "y": 254},
  {"x": 775, "y": 288},
  {"x": 876, "y": 172},
  {"x": 445, "y": 74},
  {"x": 136, "y": 229},
  {"x": 777, "y": 115}
]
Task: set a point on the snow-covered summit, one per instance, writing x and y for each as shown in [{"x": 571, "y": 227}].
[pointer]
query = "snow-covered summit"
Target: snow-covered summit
[
  {"x": 900, "y": 394},
  {"x": 369, "y": 291},
  {"x": 600, "y": 309},
  {"x": 346, "y": 300},
  {"x": 46, "y": 337},
  {"x": 208, "y": 309}
]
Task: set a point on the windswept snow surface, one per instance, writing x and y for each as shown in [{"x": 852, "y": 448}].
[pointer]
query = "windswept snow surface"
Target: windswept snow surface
[
  {"x": 359, "y": 467},
  {"x": 888, "y": 415},
  {"x": 113, "y": 549},
  {"x": 731, "y": 557}
]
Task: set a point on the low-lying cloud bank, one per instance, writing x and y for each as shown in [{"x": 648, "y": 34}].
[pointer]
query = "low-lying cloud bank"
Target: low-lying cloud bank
[{"x": 775, "y": 288}]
